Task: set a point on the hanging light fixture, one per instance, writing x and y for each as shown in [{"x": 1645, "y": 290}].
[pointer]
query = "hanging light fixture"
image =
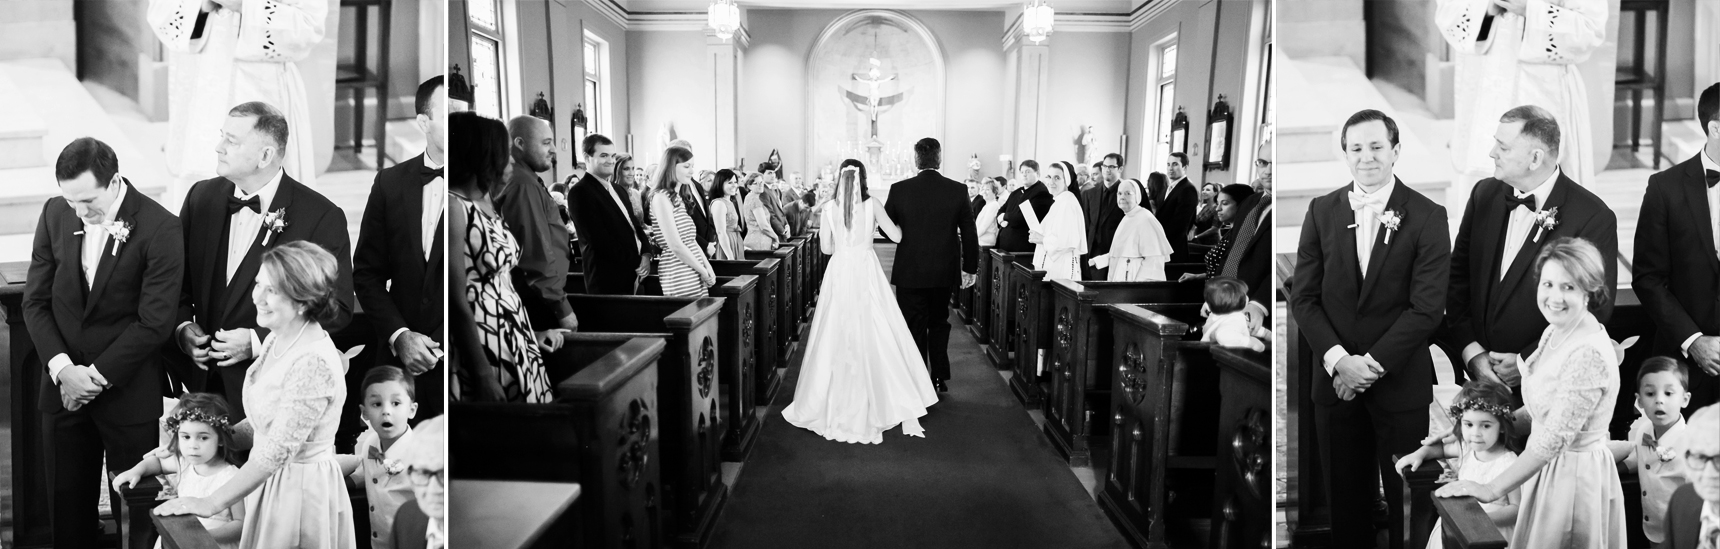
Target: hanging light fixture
[
  {"x": 724, "y": 17},
  {"x": 1036, "y": 19}
]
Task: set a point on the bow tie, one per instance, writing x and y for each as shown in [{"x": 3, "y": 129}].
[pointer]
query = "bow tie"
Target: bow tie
[
  {"x": 1375, "y": 202},
  {"x": 1649, "y": 441},
  {"x": 1527, "y": 201},
  {"x": 1713, "y": 178},
  {"x": 234, "y": 205},
  {"x": 376, "y": 454},
  {"x": 430, "y": 174}
]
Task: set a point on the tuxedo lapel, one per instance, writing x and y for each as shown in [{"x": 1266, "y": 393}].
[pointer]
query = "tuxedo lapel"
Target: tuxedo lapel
[
  {"x": 1492, "y": 224},
  {"x": 127, "y": 214},
  {"x": 1520, "y": 264},
  {"x": 1696, "y": 197},
  {"x": 252, "y": 262},
  {"x": 1347, "y": 241},
  {"x": 71, "y": 245},
  {"x": 415, "y": 204}
]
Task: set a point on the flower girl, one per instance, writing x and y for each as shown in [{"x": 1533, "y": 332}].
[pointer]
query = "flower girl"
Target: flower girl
[
  {"x": 202, "y": 455},
  {"x": 1481, "y": 415}
]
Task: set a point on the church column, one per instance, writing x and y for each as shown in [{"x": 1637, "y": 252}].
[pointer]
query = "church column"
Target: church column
[
  {"x": 1032, "y": 76},
  {"x": 724, "y": 57}
]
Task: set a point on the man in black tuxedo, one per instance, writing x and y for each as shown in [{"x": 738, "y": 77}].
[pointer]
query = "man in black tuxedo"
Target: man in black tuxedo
[
  {"x": 105, "y": 272},
  {"x": 230, "y": 221},
  {"x": 1012, "y": 224},
  {"x": 1490, "y": 310},
  {"x": 612, "y": 242},
  {"x": 1176, "y": 211},
  {"x": 773, "y": 200},
  {"x": 397, "y": 269},
  {"x": 1099, "y": 204},
  {"x": 1250, "y": 256},
  {"x": 938, "y": 233},
  {"x": 1677, "y": 270},
  {"x": 1371, "y": 272},
  {"x": 535, "y": 219}
]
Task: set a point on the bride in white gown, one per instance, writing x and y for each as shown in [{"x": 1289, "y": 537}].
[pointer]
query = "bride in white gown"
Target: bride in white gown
[{"x": 862, "y": 373}]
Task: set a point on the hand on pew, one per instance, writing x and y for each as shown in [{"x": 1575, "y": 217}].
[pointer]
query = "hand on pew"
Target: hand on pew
[
  {"x": 1466, "y": 488},
  {"x": 201, "y": 507},
  {"x": 550, "y": 340}
]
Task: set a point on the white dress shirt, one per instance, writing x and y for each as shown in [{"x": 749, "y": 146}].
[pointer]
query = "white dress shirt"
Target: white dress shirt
[
  {"x": 242, "y": 229},
  {"x": 94, "y": 243},
  {"x": 610, "y": 188},
  {"x": 1367, "y": 229}
]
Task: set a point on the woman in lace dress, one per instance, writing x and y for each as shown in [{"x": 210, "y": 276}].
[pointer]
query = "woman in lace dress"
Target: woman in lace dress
[
  {"x": 294, "y": 493},
  {"x": 682, "y": 268},
  {"x": 1570, "y": 486},
  {"x": 496, "y": 357}
]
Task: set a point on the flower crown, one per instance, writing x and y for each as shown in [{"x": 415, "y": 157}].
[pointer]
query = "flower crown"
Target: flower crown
[
  {"x": 1456, "y": 411},
  {"x": 192, "y": 414}
]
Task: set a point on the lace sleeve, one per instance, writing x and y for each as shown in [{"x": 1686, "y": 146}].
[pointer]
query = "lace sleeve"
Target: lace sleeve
[
  {"x": 280, "y": 31},
  {"x": 174, "y": 22},
  {"x": 1581, "y": 384},
  {"x": 1459, "y": 22},
  {"x": 1562, "y": 32},
  {"x": 310, "y": 390}
]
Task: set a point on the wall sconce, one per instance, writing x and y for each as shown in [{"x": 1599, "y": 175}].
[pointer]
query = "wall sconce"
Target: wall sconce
[{"x": 541, "y": 108}]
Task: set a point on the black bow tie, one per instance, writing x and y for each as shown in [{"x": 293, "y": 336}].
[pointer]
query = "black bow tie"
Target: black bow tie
[
  {"x": 430, "y": 174},
  {"x": 234, "y": 205},
  {"x": 1713, "y": 178},
  {"x": 1527, "y": 201}
]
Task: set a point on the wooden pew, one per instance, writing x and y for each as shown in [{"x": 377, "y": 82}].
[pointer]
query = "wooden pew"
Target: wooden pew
[
  {"x": 1241, "y": 515},
  {"x": 1002, "y": 340},
  {"x": 979, "y": 307},
  {"x": 603, "y": 430},
  {"x": 737, "y": 363},
  {"x": 692, "y": 424},
  {"x": 787, "y": 327},
  {"x": 182, "y": 532},
  {"x": 808, "y": 252},
  {"x": 1465, "y": 524},
  {"x": 1174, "y": 271},
  {"x": 1032, "y": 307},
  {"x": 507, "y": 514},
  {"x": 30, "y": 523},
  {"x": 765, "y": 379},
  {"x": 1078, "y": 366},
  {"x": 1153, "y": 463}
]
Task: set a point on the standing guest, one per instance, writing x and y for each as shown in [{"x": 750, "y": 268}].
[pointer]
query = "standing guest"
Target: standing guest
[
  {"x": 1139, "y": 248},
  {"x": 1205, "y": 229},
  {"x": 1176, "y": 212},
  {"x": 422, "y": 523},
  {"x": 1099, "y": 204},
  {"x": 773, "y": 199},
  {"x": 578, "y": 174},
  {"x": 761, "y": 235},
  {"x": 1061, "y": 239},
  {"x": 1250, "y": 256},
  {"x": 795, "y": 211},
  {"x": 1675, "y": 272},
  {"x": 106, "y": 269},
  {"x": 1230, "y": 200},
  {"x": 725, "y": 214},
  {"x": 253, "y": 206},
  {"x": 978, "y": 197},
  {"x": 535, "y": 219},
  {"x": 634, "y": 196},
  {"x": 1571, "y": 491},
  {"x": 496, "y": 353},
  {"x": 232, "y": 51},
  {"x": 1157, "y": 185},
  {"x": 985, "y": 220},
  {"x": 1371, "y": 305},
  {"x": 294, "y": 493},
  {"x": 1012, "y": 219},
  {"x": 695, "y": 199},
  {"x": 1490, "y": 310},
  {"x": 612, "y": 240},
  {"x": 938, "y": 232},
  {"x": 683, "y": 268},
  {"x": 397, "y": 269}
]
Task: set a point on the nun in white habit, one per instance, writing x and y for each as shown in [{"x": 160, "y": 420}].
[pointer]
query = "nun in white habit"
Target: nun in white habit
[
  {"x": 1140, "y": 249},
  {"x": 1062, "y": 236}
]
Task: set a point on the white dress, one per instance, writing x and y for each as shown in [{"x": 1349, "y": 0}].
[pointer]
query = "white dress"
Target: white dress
[
  {"x": 1065, "y": 231},
  {"x": 189, "y": 484},
  {"x": 1474, "y": 470},
  {"x": 862, "y": 373}
]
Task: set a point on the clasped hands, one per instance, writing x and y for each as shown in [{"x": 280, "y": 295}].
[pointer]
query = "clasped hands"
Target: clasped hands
[
  {"x": 1497, "y": 367},
  {"x": 79, "y": 385},
  {"x": 1705, "y": 352},
  {"x": 226, "y": 347},
  {"x": 1354, "y": 374},
  {"x": 417, "y": 352}
]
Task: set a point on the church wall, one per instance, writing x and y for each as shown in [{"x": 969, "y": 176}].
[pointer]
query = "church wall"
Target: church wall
[
  {"x": 1213, "y": 45},
  {"x": 773, "y": 89},
  {"x": 672, "y": 85},
  {"x": 1088, "y": 84}
]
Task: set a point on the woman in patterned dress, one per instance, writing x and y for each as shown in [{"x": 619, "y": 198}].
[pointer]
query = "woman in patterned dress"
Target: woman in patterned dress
[
  {"x": 682, "y": 268},
  {"x": 496, "y": 356}
]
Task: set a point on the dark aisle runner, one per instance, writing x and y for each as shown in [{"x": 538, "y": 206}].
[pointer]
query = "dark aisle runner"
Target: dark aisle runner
[{"x": 983, "y": 477}]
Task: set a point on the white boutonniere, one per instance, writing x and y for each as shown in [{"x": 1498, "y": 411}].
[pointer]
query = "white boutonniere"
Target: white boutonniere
[
  {"x": 1545, "y": 221},
  {"x": 274, "y": 222},
  {"x": 120, "y": 231},
  {"x": 1666, "y": 454},
  {"x": 1390, "y": 220}
]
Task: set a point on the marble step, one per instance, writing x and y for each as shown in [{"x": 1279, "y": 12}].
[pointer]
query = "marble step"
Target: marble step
[{"x": 21, "y": 129}]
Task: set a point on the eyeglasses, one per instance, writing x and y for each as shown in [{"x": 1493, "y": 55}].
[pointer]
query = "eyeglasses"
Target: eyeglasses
[
  {"x": 422, "y": 477},
  {"x": 1698, "y": 462},
  {"x": 1261, "y": 162},
  {"x": 1108, "y": 166}
]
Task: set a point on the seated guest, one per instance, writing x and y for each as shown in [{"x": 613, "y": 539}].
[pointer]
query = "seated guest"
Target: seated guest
[
  {"x": 498, "y": 356},
  {"x": 1662, "y": 393},
  {"x": 399, "y": 242},
  {"x": 534, "y": 217},
  {"x": 422, "y": 523},
  {"x": 294, "y": 493},
  {"x": 1693, "y": 515},
  {"x": 1061, "y": 238},
  {"x": 1228, "y": 323},
  {"x": 1139, "y": 250},
  {"x": 612, "y": 241},
  {"x": 725, "y": 214},
  {"x": 1229, "y": 212}
]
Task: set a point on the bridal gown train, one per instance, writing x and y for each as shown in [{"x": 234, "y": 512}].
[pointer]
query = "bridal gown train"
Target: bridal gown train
[{"x": 862, "y": 373}]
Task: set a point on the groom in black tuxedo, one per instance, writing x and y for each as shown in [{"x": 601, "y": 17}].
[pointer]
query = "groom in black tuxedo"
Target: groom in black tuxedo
[
  {"x": 1012, "y": 229},
  {"x": 1677, "y": 270},
  {"x": 938, "y": 234},
  {"x": 105, "y": 273},
  {"x": 1370, "y": 309},
  {"x": 397, "y": 269},
  {"x": 230, "y": 220},
  {"x": 1490, "y": 311}
]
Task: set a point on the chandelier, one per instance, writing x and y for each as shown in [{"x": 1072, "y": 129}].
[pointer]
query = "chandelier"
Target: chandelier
[
  {"x": 724, "y": 17},
  {"x": 1036, "y": 20}
]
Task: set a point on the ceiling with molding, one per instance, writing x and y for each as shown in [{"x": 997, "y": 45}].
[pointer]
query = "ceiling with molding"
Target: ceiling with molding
[{"x": 1062, "y": 6}]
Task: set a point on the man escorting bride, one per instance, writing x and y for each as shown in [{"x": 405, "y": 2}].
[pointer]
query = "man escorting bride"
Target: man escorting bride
[{"x": 865, "y": 366}]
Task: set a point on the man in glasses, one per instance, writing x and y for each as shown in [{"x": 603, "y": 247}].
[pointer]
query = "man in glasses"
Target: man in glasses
[
  {"x": 1099, "y": 204},
  {"x": 1693, "y": 515}
]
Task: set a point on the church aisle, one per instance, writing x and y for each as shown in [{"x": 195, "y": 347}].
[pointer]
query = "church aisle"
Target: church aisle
[{"x": 984, "y": 476}]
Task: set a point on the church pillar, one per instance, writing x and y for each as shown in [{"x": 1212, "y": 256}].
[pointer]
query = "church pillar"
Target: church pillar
[
  {"x": 1032, "y": 75},
  {"x": 724, "y": 58}
]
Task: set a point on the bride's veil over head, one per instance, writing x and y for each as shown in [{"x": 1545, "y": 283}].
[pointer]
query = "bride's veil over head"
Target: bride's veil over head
[{"x": 851, "y": 189}]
